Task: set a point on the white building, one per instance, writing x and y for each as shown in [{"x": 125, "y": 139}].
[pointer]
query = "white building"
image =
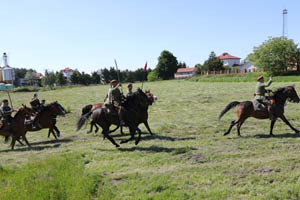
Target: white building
[
  {"x": 67, "y": 72},
  {"x": 229, "y": 60},
  {"x": 248, "y": 66},
  {"x": 185, "y": 72}
]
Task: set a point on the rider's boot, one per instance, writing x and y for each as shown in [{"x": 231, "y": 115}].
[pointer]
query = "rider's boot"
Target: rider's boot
[{"x": 35, "y": 123}]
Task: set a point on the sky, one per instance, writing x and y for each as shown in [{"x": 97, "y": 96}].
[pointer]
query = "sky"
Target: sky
[{"x": 89, "y": 34}]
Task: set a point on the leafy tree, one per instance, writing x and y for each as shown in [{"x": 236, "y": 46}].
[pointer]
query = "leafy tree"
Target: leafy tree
[
  {"x": 95, "y": 78},
  {"x": 60, "y": 79},
  {"x": 167, "y": 65},
  {"x": 199, "y": 68},
  {"x": 85, "y": 79},
  {"x": 181, "y": 65},
  {"x": 152, "y": 76},
  {"x": 75, "y": 77},
  {"x": 276, "y": 55},
  {"x": 106, "y": 76},
  {"x": 212, "y": 63},
  {"x": 49, "y": 78}
]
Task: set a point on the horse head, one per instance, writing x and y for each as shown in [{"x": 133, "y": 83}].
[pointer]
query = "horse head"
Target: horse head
[
  {"x": 150, "y": 97},
  {"x": 291, "y": 94},
  {"x": 56, "y": 108}
]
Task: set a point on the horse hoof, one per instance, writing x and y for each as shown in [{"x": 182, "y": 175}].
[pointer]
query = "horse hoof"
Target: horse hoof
[
  {"x": 117, "y": 145},
  {"x": 137, "y": 142},
  {"x": 88, "y": 132},
  {"x": 225, "y": 134}
]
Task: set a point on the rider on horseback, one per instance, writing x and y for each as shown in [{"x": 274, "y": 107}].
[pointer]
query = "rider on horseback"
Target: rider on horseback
[
  {"x": 37, "y": 107},
  {"x": 114, "y": 99},
  {"x": 260, "y": 95},
  {"x": 130, "y": 93},
  {"x": 5, "y": 112}
]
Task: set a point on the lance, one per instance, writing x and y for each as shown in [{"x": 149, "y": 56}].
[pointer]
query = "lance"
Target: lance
[
  {"x": 12, "y": 106},
  {"x": 118, "y": 75}
]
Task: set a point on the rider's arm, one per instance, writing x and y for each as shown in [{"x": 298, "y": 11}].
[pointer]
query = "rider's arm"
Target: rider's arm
[
  {"x": 267, "y": 84},
  {"x": 109, "y": 95}
]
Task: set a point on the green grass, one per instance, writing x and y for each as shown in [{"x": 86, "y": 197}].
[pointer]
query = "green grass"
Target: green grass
[
  {"x": 188, "y": 158},
  {"x": 248, "y": 77}
]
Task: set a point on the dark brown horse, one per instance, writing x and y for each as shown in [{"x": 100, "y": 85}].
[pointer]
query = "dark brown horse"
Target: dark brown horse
[
  {"x": 47, "y": 119},
  {"x": 18, "y": 126},
  {"x": 245, "y": 109},
  {"x": 134, "y": 105},
  {"x": 143, "y": 118}
]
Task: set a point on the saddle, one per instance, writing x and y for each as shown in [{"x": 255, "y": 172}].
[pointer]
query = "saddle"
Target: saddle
[{"x": 258, "y": 106}]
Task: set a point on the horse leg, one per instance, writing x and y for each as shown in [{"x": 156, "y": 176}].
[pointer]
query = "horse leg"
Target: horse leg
[
  {"x": 96, "y": 128},
  {"x": 121, "y": 130},
  {"x": 272, "y": 126},
  {"x": 139, "y": 138},
  {"x": 148, "y": 128},
  {"x": 49, "y": 133},
  {"x": 234, "y": 122},
  {"x": 13, "y": 142},
  {"x": 91, "y": 129},
  {"x": 105, "y": 133},
  {"x": 24, "y": 137},
  {"x": 132, "y": 132},
  {"x": 57, "y": 131},
  {"x": 21, "y": 143},
  {"x": 288, "y": 123},
  {"x": 239, "y": 126}
]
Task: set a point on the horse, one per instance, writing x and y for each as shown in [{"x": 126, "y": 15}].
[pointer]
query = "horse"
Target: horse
[
  {"x": 133, "y": 105},
  {"x": 18, "y": 126},
  {"x": 144, "y": 117},
  {"x": 48, "y": 119},
  {"x": 245, "y": 109}
]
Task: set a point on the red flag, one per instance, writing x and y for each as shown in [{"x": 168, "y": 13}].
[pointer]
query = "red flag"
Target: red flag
[{"x": 145, "y": 67}]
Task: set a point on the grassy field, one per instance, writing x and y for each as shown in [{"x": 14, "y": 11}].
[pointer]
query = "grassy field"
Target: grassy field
[{"x": 188, "y": 158}]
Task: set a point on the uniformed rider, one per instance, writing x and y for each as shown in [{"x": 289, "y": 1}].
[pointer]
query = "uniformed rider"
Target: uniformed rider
[
  {"x": 114, "y": 99},
  {"x": 5, "y": 111},
  {"x": 37, "y": 107},
  {"x": 130, "y": 93},
  {"x": 260, "y": 95}
]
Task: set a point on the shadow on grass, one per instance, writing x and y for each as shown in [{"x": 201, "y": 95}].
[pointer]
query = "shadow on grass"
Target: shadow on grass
[
  {"x": 285, "y": 135},
  {"x": 155, "y": 136},
  {"x": 65, "y": 140},
  {"x": 156, "y": 149},
  {"x": 33, "y": 148}
]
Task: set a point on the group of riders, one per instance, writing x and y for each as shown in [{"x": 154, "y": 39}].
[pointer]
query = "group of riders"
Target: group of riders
[
  {"x": 114, "y": 103},
  {"x": 114, "y": 99},
  {"x": 6, "y": 112}
]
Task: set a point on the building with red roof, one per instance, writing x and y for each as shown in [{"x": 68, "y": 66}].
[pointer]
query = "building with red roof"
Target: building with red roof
[
  {"x": 229, "y": 60},
  {"x": 67, "y": 72},
  {"x": 185, "y": 72}
]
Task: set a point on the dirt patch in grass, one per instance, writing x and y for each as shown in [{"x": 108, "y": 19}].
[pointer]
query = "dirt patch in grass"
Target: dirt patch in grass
[
  {"x": 197, "y": 158},
  {"x": 267, "y": 171}
]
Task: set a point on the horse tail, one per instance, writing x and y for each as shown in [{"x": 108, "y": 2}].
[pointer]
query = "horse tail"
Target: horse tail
[
  {"x": 81, "y": 121},
  {"x": 86, "y": 109},
  {"x": 228, "y": 107}
]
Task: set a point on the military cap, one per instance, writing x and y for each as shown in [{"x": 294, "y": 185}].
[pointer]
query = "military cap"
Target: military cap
[
  {"x": 259, "y": 78},
  {"x": 5, "y": 100},
  {"x": 113, "y": 81}
]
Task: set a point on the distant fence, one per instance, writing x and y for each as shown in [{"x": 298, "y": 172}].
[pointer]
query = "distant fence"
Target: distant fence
[{"x": 231, "y": 71}]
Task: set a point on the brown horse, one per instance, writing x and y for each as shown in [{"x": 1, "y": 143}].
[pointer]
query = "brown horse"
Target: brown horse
[
  {"x": 245, "y": 109},
  {"x": 143, "y": 118},
  {"x": 134, "y": 105},
  {"x": 18, "y": 126},
  {"x": 47, "y": 119}
]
